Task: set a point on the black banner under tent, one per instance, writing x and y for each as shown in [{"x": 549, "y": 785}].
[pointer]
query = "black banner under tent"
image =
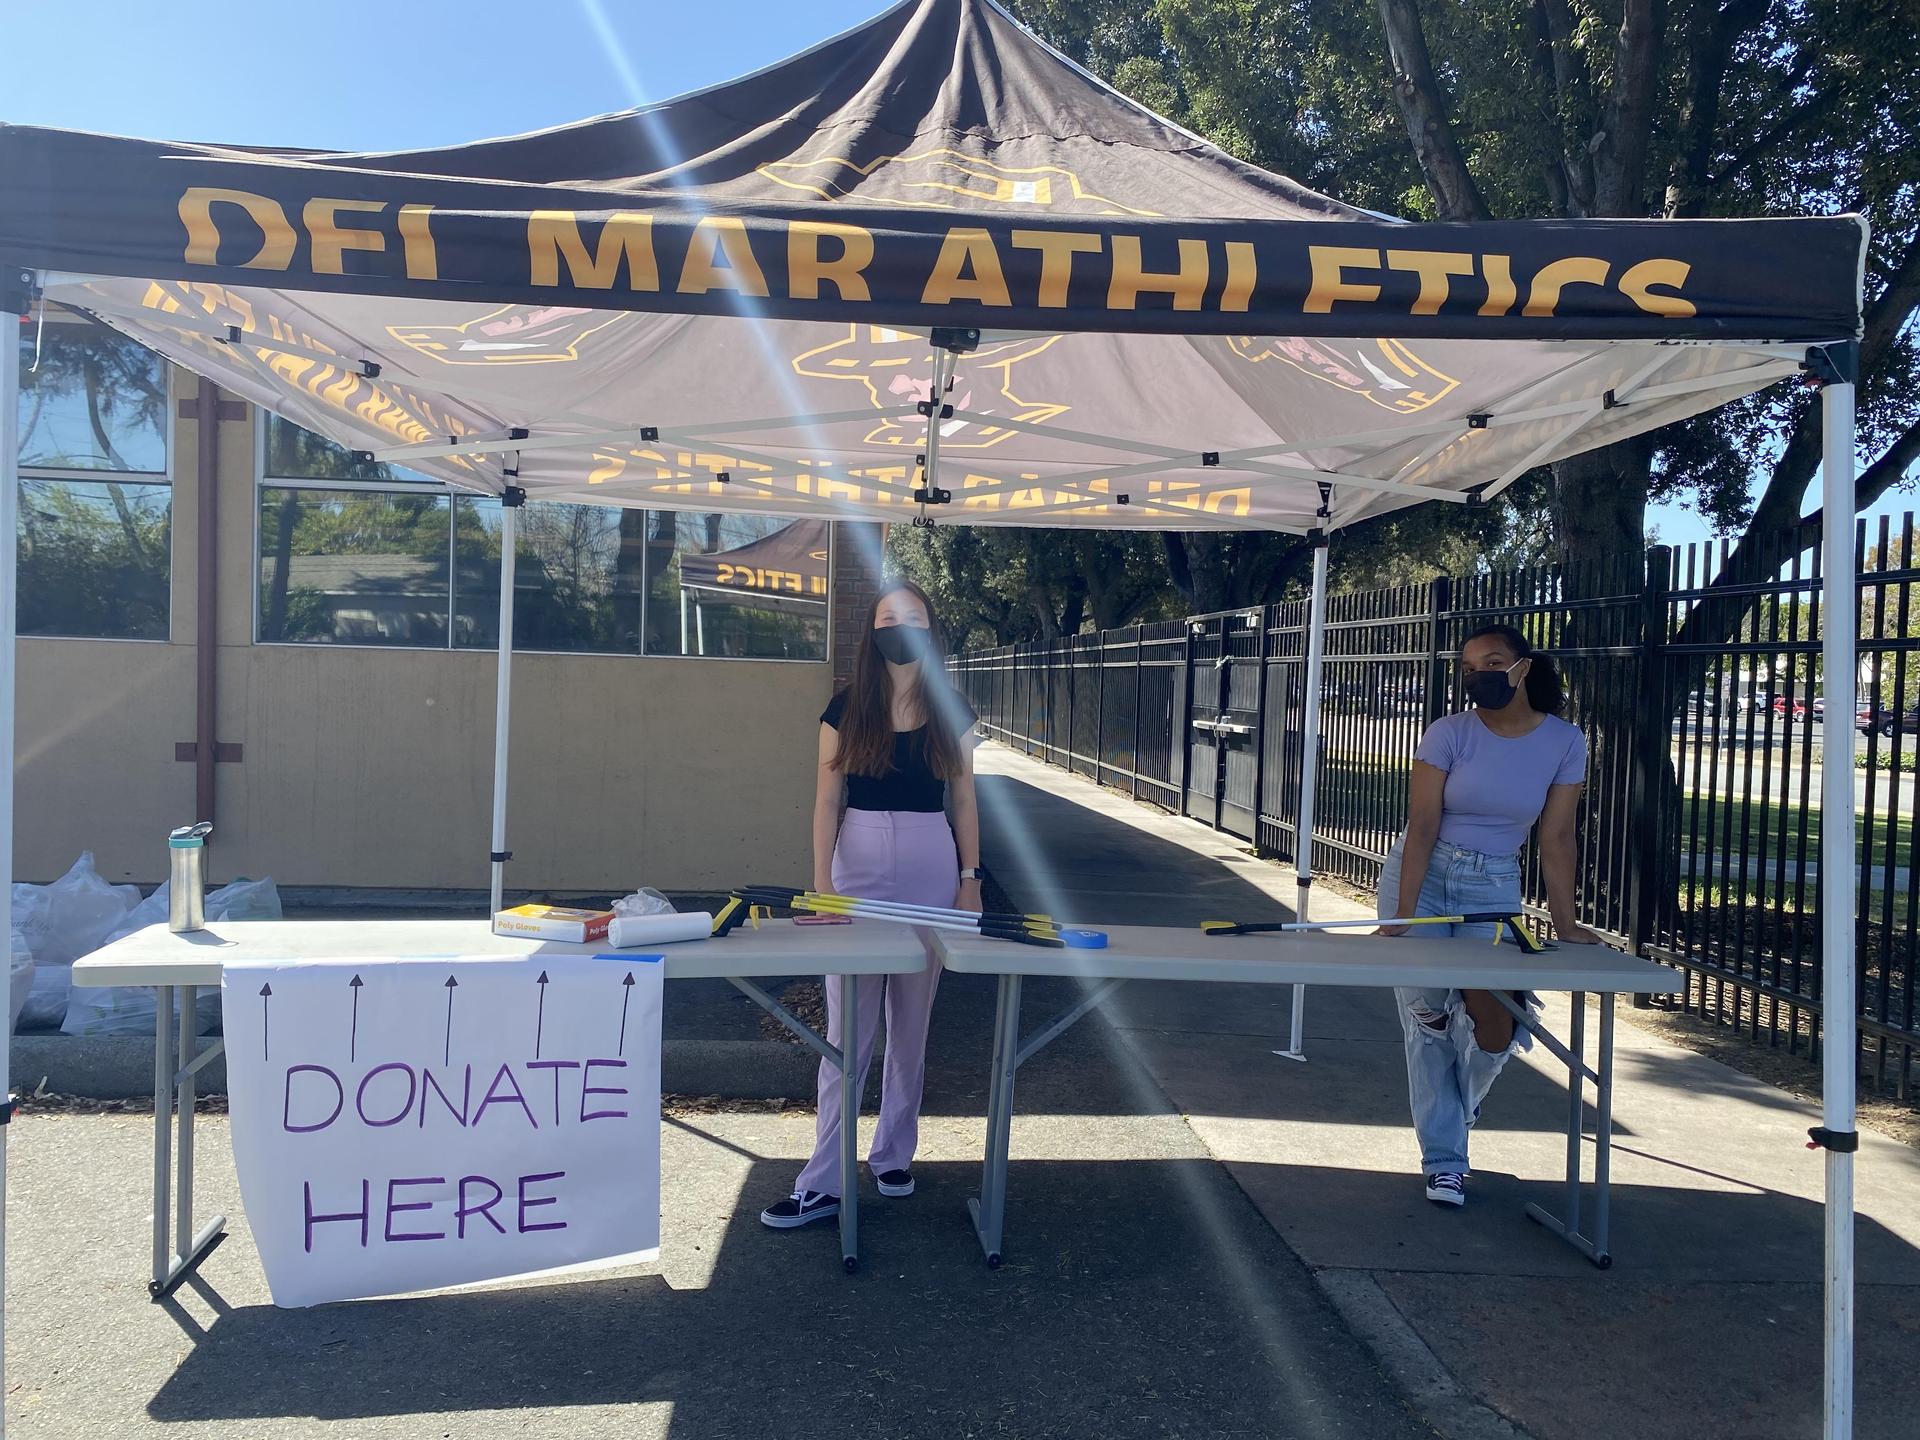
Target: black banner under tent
[{"x": 931, "y": 269}]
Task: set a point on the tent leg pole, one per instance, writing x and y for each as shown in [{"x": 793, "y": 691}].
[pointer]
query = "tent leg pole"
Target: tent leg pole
[
  {"x": 14, "y": 289},
  {"x": 1309, "y": 768},
  {"x": 503, "y": 695},
  {"x": 1839, "y": 1023}
]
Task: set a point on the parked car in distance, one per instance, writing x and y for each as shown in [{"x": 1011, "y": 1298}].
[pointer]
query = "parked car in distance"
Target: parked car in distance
[
  {"x": 1798, "y": 708},
  {"x": 1871, "y": 720}
]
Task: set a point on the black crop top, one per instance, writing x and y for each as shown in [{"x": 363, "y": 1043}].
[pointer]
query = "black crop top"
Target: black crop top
[{"x": 910, "y": 785}]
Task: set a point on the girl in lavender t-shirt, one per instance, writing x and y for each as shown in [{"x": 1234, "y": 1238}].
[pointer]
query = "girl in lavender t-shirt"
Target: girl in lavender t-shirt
[{"x": 1481, "y": 780}]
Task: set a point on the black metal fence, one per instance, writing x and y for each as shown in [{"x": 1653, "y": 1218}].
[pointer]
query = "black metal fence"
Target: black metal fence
[{"x": 1698, "y": 691}]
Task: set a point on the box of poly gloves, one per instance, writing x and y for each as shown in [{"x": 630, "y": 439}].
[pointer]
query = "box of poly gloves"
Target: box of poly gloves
[{"x": 553, "y": 922}]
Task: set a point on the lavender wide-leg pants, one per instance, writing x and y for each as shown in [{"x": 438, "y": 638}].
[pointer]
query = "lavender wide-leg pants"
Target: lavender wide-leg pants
[{"x": 885, "y": 855}]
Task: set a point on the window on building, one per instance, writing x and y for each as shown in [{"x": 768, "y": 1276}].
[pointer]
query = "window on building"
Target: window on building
[
  {"x": 736, "y": 585},
  {"x": 577, "y": 577},
  {"x": 353, "y": 552},
  {"x": 95, "y": 541}
]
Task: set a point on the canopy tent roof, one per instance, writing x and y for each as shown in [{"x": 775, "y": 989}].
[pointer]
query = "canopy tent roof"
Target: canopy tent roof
[{"x": 1168, "y": 337}]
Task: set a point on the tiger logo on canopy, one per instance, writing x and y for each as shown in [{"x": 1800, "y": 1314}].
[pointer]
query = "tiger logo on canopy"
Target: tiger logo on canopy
[
  {"x": 510, "y": 335},
  {"x": 943, "y": 179},
  {"x": 895, "y": 368},
  {"x": 1397, "y": 379}
]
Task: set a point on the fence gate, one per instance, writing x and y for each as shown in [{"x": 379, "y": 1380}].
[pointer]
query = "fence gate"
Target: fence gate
[{"x": 1224, "y": 721}]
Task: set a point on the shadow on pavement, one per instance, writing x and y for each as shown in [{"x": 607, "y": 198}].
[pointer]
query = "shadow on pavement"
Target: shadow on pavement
[{"x": 1111, "y": 1317}]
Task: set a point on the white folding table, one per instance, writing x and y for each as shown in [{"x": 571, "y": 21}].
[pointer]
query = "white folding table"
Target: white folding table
[
  {"x": 169, "y": 963},
  {"x": 1140, "y": 952}
]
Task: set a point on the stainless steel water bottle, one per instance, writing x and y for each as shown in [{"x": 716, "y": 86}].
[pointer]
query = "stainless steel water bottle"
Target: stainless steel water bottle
[{"x": 187, "y": 877}]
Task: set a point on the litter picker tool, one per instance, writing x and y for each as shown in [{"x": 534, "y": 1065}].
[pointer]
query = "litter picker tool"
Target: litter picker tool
[
  {"x": 1507, "y": 925},
  {"x": 997, "y": 927}
]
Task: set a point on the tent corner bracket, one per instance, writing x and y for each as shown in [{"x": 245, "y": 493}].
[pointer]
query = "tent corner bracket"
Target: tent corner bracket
[
  {"x": 513, "y": 497},
  {"x": 958, "y": 339},
  {"x": 1838, "y": 364},
  {"x": 1843, "y": 1142},
  {"x": 19, "y": 288}
]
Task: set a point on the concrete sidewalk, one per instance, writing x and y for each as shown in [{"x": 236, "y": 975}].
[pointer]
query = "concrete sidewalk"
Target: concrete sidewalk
[{"x": 1708, "y": 1324}]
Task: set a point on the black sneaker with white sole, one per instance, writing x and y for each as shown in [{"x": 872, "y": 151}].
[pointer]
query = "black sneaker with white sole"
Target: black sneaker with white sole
[
  {"x": 800, "y": 1208},
  {"x": 894, "y": 1183},
  {"x": 1447, "y": 1187}
]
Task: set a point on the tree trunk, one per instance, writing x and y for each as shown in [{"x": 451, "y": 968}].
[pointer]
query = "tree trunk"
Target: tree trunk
[{"x": 1600, "y": 500}]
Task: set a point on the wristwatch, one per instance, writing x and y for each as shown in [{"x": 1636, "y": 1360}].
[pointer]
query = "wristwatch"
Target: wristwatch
[{"x": 973, "y": 872}]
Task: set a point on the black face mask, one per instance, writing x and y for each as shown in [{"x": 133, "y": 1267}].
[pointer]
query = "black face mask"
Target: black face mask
[
  {"x": 1491, "y": 689},
  {"x": 902, "y": 644}
]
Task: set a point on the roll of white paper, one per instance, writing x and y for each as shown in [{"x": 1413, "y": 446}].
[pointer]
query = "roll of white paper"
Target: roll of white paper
[{"x": 628, "y": 931}]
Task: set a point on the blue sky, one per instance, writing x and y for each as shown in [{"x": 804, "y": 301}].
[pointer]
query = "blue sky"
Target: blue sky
[{"x": 415, "y": 73}]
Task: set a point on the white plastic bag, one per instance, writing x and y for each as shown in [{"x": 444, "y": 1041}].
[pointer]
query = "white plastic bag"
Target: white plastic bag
[
  {"x": 61, "y": 922},
  {"x": 645, "y": 901},
  {"x": 129, "y": 1011},
  {"x": 19, "y": 977}
]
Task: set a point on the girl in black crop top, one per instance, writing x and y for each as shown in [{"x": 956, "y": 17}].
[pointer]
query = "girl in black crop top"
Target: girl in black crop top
[{"x": 897, "y": 745}]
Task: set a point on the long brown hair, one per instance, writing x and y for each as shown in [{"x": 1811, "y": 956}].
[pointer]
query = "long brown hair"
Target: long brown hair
[{"x": 866, "y": 727}]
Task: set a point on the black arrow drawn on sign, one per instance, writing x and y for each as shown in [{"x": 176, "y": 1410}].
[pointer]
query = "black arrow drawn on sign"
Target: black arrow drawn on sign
[
  {"x": 353, "y": 1039},
  {"x": 540, "y": 1021},
  {"x": 626, "y": 994},
  {"x": 452, "y": 985},
  {"x": 266, "y": 994}
]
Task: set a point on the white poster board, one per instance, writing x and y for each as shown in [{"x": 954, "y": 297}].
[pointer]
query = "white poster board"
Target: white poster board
[{"x": 409, "y": 1124}]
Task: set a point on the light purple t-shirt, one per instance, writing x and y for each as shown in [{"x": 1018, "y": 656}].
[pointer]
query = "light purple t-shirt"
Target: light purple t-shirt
[{"x": 1496, "y": 785}]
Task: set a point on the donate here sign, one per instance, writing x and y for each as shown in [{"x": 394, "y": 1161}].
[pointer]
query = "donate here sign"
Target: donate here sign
[{"x": 407, "y": 1124}]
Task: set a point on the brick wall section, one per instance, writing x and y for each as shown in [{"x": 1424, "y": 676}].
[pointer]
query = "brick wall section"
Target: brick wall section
[{"x": 856, "y": 548}]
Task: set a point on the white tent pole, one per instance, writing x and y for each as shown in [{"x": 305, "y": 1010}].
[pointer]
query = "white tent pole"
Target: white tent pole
[
  {"x": 503, "y": 691},
  {"x": 1839, "y": 1021},
  {"x": 15, "y": 288},
  {"x": 683, "y": 620},
  {"x": 1309, "y": 766}
]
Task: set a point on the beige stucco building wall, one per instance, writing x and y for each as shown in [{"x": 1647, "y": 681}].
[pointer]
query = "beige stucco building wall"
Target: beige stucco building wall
[{"x": 372, "y": 767}]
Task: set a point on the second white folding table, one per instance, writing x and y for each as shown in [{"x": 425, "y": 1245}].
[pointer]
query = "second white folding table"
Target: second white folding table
[{"x": 1142, "y": 952}]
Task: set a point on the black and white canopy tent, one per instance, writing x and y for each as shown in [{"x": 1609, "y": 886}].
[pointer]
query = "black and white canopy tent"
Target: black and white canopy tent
[{"x": 931, "y": 269}]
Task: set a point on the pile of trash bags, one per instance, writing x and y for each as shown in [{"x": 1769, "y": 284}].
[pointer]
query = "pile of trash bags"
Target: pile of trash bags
[{"x": 54, "y": 925}]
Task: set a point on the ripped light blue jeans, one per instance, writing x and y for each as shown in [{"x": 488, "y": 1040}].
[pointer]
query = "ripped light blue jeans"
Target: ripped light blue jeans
[{"x": 1448, "y": 1074}]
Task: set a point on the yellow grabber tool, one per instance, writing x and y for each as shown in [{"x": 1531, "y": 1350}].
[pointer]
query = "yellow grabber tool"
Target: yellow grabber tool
[
  {"x": 780, "y": 894},
  {"x": 996, "y": 927},
  {"x": 1513, "y": 925}
]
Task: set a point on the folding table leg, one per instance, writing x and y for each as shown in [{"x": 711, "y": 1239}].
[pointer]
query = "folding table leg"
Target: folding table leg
[
  {"x": 850, "y": 1122},
  {"x": 989, "y": 1208},
  {"x": 1568, "y": 1227},
  {"x": 1603, "y": 1134},
  {"x": 163, "y": 1066}
]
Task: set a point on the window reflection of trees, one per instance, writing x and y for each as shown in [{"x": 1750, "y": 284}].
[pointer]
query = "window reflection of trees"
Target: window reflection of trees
[
  {"x": 386, "y": 568},
  {"x": 94, "y": 549}
]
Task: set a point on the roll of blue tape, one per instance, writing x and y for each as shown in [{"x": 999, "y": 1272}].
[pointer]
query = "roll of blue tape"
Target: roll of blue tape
[{"x": 1084, "y": 939}]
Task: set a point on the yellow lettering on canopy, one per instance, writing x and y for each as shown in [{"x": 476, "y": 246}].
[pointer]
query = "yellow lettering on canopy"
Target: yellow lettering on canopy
[
  {"x": 1234, "y": 501},
  {"x": 967, "y": 268},
  {"x": 331, "y": 240},
  {"x": 1330, "y": 264},
  {"x": 554, "y": 235},
  {"x": 805, "y": 268},
  {"x": 1242, "y": 273},
  {"x": 605, "y": 468},
  {"x": 1057, "y": 249},
  {"x": 1543, "y": 298},
  {"x": 1638, "y": 282},
  {"x": 203, "y": 234},
  {"x": 990, "y": 501},
  {"x": 423, "y": 261},
  {"x": 1433, "y": 267},
  {"x": 1187, "y": 285},
  {"x": 716, "y": 237},
  {"x": 1500, "y": 288}
]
